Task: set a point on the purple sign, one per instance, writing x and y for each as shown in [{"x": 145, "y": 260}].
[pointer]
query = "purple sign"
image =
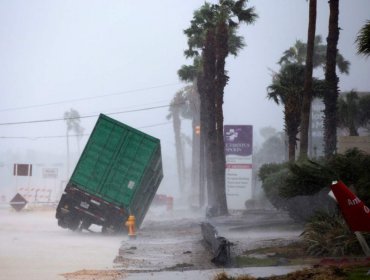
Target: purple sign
[{"x": 238, "y": 140}]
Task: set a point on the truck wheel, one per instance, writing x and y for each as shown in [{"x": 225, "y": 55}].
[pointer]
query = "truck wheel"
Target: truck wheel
[
  {"x": 85, "y": 224},
  {"x": 62, "y": 223},
  {"x": 72, "y": 222},
  {"x": 108, "y": 230}
]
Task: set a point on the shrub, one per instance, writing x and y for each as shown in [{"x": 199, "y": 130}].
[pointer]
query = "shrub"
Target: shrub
[
  {"x": 302, "y": 188},
  {"x": 300, "y": 207},
  {"x": 274, "y": 179},
  {"x": 353, "y": 168},
  {"x": 327, "y": 234}
]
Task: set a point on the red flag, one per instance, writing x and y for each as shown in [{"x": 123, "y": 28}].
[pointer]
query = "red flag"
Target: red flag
[{"x": 355, "y": 212}]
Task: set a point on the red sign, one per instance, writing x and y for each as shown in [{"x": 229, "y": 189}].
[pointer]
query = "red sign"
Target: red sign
[
  {"x": 355, "y": 212},
  {"x": 22, "y": 169}
]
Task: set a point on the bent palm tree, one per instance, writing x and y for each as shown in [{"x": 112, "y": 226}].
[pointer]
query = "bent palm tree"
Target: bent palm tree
[
  {"x": 286, "y": 89},
  {"x": 179, "y": 108},
  {"x": 363, "y": 40},
  {"x": 298, "y": 52},
  {"x": 72, "y": 118}
]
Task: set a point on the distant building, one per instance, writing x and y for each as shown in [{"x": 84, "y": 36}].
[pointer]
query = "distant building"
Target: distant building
[{"x": 316, "y": 139}]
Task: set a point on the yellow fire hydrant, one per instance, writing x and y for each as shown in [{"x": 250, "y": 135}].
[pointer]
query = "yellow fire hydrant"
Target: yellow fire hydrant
[{"x": 130, "y": 223}]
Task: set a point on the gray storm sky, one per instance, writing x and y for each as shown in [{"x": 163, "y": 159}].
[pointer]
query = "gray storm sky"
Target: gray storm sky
[{"x": 128, "y": 53}]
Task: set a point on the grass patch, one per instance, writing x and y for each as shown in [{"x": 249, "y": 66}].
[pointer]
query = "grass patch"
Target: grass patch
[
  {"x": 292, "y": 254},
  {"x": 244, "y": 261},
  {"x": 293, "y": 250},
  {"x": 180, "y": 266},
  {"x": 358, "y": 273},
  {"x": 320, "y": 273}
]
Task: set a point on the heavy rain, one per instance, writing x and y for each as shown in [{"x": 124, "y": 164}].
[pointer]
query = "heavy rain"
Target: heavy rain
[{"x": 167, "y": 140}]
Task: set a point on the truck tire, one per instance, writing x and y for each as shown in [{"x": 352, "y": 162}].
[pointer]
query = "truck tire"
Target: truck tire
[
  {"x": 72, "y": 222},
  {"x": 62, "y": 223}
]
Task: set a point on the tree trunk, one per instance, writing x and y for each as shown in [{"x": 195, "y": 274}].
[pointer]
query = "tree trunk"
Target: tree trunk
[
  {"x": 204, "y": 162},
  {"x": 331, "y": 96},
  {"x": 220, "y": 83},
  {"x": 307, "y": 91},
  {"x": 68, "y": 159},
  {"x": 291, "y": 147},
  {"x": 292, "y": 118},
  {"x": 198, "y": 199},
  {"x": 352, "y": 130},
  {"x": 211, "y": 149},
  {"x": 178, "y": 144}
]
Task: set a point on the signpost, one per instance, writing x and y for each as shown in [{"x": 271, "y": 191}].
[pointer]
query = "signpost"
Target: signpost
[
  {"x": 238, "y": 173},
  {"x": 22, "y": 169},
  {"x": 50, "y": 172},
  {"x": 18, "y": 202}
]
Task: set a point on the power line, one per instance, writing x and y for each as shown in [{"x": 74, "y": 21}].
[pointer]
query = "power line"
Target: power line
[
  {"x": 86, "y": 98},
  {"x": 88, "y": 116},
  {"x": 72, "y": 135}
]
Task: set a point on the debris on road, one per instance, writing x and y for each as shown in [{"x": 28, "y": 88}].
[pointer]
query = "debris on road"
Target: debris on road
[
  {"x": 94, "y": 274},
  {"x": 165, "y": 245},
  {"x": 219, "y": 246}
]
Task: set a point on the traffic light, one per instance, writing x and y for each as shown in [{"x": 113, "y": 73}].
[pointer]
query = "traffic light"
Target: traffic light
[{"x": 197, "y": 129}]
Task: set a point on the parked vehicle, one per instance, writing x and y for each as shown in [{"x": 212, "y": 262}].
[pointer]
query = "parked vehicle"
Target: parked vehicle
[{"x": 118, "y": 174}]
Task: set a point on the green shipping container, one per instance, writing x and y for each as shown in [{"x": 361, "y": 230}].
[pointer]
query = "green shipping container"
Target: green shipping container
[{"x": 119, "y": 166}]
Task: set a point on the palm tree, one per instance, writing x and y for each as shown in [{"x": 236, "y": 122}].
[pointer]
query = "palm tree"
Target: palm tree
[
  {"x": 286, "y": 89},
  {"x": 363, "y": 40},
  {"x": 349, "y": 112},
  {"x": 185, "y": 105},
  {"x": 212, "y": 36},
  {"x": 72, "y": 118},
  {"x": 331, "y": 96},
  {"x": 175, "y": 107},
  {"x": 298, "y": 52},
  {"x": 226, "y": 27},
  {"x": 353, "y": 112},
  {"x": 307, "y": 91},
  {"x": 364, "y": 108}
]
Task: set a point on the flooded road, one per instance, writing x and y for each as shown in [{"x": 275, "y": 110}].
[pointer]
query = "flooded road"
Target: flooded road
[
  {"x": 169, "y": 246},
  {"x": 34, "y": 247}
]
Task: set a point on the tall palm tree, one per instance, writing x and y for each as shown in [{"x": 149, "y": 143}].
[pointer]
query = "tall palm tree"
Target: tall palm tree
[
  {"x": 225, "y": 27},
  {"x": 175, "y": 107},
  {"x": 331, "y": 96},
  {"x": 363, "y": 40},
  {"x": 286, "y": 89},
  {"x": 298, "y": 54},
  {"x": 190, "y": 74},
  {"x": 212, "y": 36},
  {"x": 185, "y": 105},
  {"x": 307, "y": 91},
  {"x": 72, "y": 118}
]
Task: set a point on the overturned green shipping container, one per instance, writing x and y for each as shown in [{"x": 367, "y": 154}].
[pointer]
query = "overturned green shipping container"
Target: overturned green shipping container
[{"x": 118, "y": 174}]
